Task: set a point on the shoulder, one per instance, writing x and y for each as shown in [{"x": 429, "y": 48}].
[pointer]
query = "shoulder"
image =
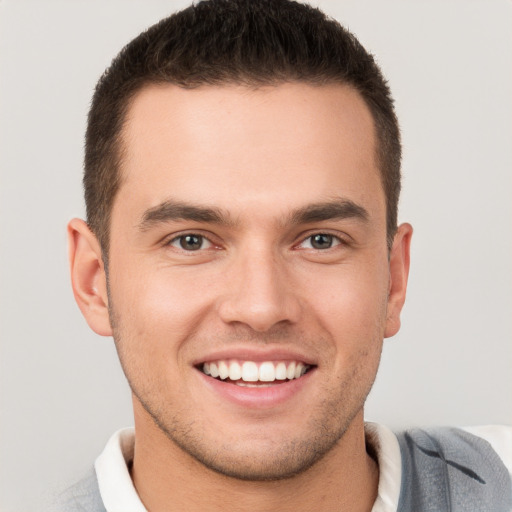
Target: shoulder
[
  {"x": 453, "y": 469},
  {"x": 499, "y": 437},
  {"x": 83, "y": 496}
]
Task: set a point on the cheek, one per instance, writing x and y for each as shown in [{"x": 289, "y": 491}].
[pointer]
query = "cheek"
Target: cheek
[
  {"x": 154, "y": 316},
  {"x": 352, "y": 302},
  {"x": 352, "y": 313},
  {"x": 159, "y": 305}
]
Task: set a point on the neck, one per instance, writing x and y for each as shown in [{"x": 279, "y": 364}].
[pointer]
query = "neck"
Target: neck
[{"x": 163, "y": 474}]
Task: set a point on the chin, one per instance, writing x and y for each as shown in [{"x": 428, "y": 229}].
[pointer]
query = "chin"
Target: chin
[
  {"x": 264, "y": 455},
  {"x": 271, "y": 463}
]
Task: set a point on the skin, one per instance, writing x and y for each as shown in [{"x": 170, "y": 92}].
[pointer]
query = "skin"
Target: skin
[{"x": 259, "y": 159}]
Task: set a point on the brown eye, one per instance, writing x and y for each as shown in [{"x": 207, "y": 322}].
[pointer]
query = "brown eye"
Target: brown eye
[
  {"x": 190, "y": 242},
  {"x": 321, "y": 241}
]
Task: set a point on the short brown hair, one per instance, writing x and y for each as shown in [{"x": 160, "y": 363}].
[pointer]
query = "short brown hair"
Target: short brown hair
[{"x": 245, "y": 42}]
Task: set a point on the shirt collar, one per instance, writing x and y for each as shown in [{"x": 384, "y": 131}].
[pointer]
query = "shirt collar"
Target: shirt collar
[
  {"x": 119, "y": 494},
  {"x": 116, "y": 487}
]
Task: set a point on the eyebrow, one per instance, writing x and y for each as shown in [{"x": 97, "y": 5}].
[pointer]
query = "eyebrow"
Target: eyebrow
[
  {"x": 172, "y": 210},
  {"x": 336, "y": 209}
]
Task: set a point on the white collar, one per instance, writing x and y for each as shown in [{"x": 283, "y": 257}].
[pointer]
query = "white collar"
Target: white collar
[
  {"x": 386, "y": 447},
  {"x": 119, "y": 494},
  {"x": 116, "y": 487}
]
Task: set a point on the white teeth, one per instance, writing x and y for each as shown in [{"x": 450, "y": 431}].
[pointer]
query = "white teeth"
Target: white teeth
[
  {"x": 281, "y": 371},
  {"x": 243, "y": 384},
  {"x": 235, "y": 371},
  {"x": 250, "y": 371},
  {"x": 223, "y": 370},
  {"x": 290, "y": 372},
  {"x": 267, "y": 372},
  {"x": 214, "y": 371}
]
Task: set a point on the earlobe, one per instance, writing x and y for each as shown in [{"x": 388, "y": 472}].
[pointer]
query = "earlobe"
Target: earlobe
[
  {"x": 398, "y": 274},
  {"x": 88, "y": 276}
]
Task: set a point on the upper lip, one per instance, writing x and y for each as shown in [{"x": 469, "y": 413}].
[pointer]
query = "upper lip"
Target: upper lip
[{"x": 256, "y": 355}]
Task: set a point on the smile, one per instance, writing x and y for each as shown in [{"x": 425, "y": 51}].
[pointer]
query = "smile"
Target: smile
[{"x": 251, "y": 373}]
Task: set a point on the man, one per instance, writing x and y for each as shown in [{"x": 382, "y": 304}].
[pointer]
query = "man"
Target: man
[{"x": 242, "y": 175}]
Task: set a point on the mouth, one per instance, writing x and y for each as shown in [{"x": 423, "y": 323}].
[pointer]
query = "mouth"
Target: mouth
[{"x": 253, "y": 373}]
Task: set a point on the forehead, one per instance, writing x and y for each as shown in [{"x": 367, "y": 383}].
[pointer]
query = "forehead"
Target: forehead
[{"x": 237, "y": 145}]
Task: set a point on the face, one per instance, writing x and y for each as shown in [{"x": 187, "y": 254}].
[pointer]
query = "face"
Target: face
[{"x": 250, "y": 284}]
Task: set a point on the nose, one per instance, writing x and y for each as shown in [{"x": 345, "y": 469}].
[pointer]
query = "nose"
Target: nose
[{"x": 259, "y": 292}]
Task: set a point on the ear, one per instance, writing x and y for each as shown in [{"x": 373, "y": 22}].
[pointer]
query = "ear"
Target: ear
[
  {"x": 398, "y": 274},
  {"x": 88, "y": 276}
]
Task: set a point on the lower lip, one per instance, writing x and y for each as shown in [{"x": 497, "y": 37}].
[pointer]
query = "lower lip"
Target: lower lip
[{"x": 260, "y": 397}]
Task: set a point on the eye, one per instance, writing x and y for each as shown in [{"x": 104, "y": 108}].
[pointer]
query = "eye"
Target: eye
[
  {"x": 320, "y": 241},
  {"x": 190, "y": 242}
]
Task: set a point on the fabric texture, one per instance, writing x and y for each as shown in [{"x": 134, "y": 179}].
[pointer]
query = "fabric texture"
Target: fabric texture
[
  {"x": 383, "y": 444},
  {"x": 428, "y": 470},
  {"x": 448, "y": 469},
  {"x": 84, "y": 496},
  {"x": 115, "y": 483}
]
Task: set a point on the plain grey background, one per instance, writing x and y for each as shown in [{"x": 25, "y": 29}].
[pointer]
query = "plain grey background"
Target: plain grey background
[{"x": 449, "y": 65}]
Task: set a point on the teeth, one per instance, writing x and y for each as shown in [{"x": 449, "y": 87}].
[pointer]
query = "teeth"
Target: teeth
[
  {"x": 290, "y": 372},
  {"x": 214, "y": 371},
  {"x": 250, "y": 371},
  {"x": 243, "y": 384},
  {"x": 235, "y": 371},
  {"x": 281, "y": 371},
  {"x": 267, "y": 372},
  {"x": 223, "y": 370}
]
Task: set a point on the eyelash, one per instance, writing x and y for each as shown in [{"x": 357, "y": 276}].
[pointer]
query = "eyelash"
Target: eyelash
[
  {"x": 180, "y": 238},
  {"x": 334, "y": 239}
]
